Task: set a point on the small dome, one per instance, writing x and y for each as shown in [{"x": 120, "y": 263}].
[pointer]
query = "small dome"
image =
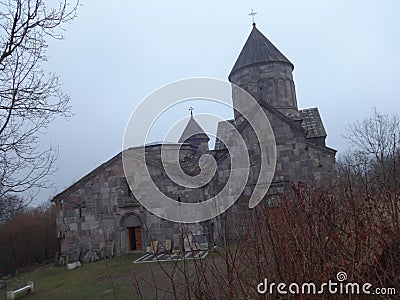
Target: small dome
[{"x": 193, "y": 131}]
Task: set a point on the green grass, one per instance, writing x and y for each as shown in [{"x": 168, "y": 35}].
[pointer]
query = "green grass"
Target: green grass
[
  {"x": 104, "y": 279},
  {"x": 91, "y": 281}
]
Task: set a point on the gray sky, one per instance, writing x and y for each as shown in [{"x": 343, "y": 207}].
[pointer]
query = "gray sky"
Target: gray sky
[{"x": 346, "y": 57}]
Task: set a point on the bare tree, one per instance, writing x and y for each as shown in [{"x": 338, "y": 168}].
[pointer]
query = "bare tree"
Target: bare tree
[
  {"x": 9, "y": 206},
  {"x": 375, "y": 144},
  {"x": 28, "y": 238},
  {"x": 30, "y": 97}
]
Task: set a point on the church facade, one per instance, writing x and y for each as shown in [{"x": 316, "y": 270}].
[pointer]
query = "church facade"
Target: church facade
[{"x": 99, "y": 214}]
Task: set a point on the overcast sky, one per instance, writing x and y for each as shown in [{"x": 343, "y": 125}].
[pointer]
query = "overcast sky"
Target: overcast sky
[{"x": 345, "y": 53}]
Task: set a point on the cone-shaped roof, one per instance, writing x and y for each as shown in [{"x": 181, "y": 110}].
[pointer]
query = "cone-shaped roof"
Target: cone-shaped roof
[
  {"x": 258, "y": 49},
  {"x": 193, "y": 130}
]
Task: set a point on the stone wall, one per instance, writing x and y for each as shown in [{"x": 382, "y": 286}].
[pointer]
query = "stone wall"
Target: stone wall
[
  {"x": 89, "y": 211},
  {"x": 271, "y": 83},
  {"x": 100, "y": 207},
  {"x": 298, "y": 160},
  {"x": 158, "y": 228}
]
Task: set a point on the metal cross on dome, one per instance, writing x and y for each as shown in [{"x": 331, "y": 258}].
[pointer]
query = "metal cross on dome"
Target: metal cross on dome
[
  {"x": 252, "y": 14},
  {"x": 191, "y": 110}
]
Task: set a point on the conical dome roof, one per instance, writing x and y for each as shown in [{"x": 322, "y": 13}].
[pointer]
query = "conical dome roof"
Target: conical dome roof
[
  {"x": 193, "y": 131},
  {"x": 258, "y": 49}
]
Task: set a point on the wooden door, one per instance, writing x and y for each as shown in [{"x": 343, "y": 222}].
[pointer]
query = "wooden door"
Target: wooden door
[
  {"x": 131, "y": 237},
  {"x": 135, "y": 238},
  {"x": 138, "y": 238}
]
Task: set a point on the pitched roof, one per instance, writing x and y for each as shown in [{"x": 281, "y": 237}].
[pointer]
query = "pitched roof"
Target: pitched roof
[
  {"x": 312, "y": 122},
  {"x": 258, "y": 49},
  {"x": 193, "y": 130}
]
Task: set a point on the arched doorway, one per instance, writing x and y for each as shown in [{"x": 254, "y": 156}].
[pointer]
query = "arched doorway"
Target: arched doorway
[{"x": 132, "y": 238}]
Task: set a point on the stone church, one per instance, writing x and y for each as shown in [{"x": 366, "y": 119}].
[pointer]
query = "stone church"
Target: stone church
[{"x": 99, "y": 214}]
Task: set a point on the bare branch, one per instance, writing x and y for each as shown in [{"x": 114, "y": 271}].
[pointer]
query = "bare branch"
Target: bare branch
[{"x": 30, "y": 97}]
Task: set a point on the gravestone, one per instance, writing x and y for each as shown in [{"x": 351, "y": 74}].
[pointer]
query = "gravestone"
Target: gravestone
[
  {"x": 168, "y": 246},
  {"x": 176, "y": 243}
]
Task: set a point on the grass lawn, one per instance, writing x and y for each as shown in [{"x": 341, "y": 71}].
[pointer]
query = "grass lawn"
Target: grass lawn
[
  {"x": 98, "y": 280},
  {"x": 108, "y": 279}
]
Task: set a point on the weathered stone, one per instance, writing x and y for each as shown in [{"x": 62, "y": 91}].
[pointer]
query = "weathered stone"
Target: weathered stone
[
  {"x": 90, "y": 256},
  {"x": 168, "y": 246}
]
